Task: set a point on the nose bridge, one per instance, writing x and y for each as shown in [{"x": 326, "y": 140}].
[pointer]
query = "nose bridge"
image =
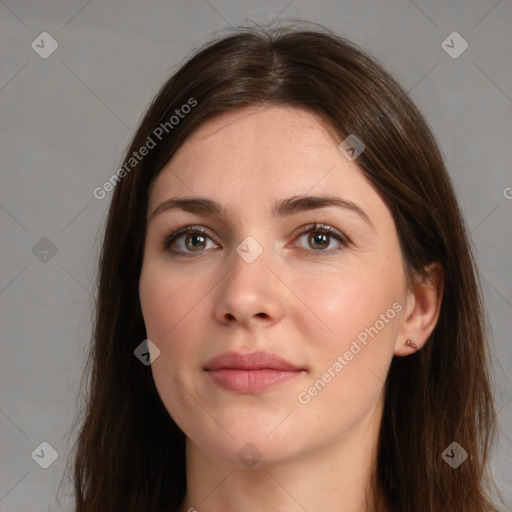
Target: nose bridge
[
  {"x": 248, "y": 289},
  {"x": 249, "y": 265}
]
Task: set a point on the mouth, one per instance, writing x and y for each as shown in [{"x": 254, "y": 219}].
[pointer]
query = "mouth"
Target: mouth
[{"x": 251, "y": 373}]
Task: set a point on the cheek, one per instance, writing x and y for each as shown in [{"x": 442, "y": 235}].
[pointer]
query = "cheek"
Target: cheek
[
  {"x": 342, "y": 305},
  {"x": 164, "y": 300},
  {"x": 175, "y": 314},
  {"x": 171, "y": 316},
  {"x": 352, "y": 345}
]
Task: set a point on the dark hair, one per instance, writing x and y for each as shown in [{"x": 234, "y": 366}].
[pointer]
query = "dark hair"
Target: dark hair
[{"x": 130, "y": 454}]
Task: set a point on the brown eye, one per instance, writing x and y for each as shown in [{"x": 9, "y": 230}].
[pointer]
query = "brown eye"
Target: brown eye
[
  {"x": 318, "y": 240},
  {"x": 320, "y": 237},
  {"x": 187, "y": 240},
  {"x": 195, "y": 242}
]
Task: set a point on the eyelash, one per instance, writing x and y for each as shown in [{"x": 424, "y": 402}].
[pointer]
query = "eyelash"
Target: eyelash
[{"x": 315, "y": 227}]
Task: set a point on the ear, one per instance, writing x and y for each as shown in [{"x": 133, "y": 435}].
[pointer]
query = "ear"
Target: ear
[{"x": 421, "y": 312}]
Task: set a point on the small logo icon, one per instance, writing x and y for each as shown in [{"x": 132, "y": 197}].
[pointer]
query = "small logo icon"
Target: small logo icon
[
  {"x": 44, "y": 45},
  {"x": 249, "y": 455},
  {"x": 44, "y": 250},
  {"x": 249, "y": 249},
  {"x": 44, "y": 455},
  {"x": 352, "y": 147},
  {"x": 454, "y": 455},
  {"x": 454, "y": 45},
  {"x": 147, "y": 352}
]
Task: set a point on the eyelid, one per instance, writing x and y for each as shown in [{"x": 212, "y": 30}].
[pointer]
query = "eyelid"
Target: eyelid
[
  {"x": 321, "y": 226},
  {"x": 171, "y": 236},
  {"x": 325, "y": 228}
]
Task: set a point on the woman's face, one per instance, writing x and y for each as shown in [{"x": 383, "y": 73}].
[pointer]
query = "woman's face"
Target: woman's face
[{"x": 262, "y": 278}]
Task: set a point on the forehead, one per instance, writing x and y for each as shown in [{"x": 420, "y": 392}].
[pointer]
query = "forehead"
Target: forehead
[
  {"x": 258, "y": 154},
  {"x": 255, "y": 121}
]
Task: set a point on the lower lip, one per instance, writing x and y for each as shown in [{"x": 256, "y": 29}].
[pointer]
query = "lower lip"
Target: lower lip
[{"x": 251, "y": 381}]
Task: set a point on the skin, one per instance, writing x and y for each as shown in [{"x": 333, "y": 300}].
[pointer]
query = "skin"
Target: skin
[{"x": 289, "y": 301}]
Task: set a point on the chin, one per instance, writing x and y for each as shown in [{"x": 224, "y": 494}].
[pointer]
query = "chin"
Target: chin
[
  {"x": 252, "y": 442},
  {"x": 249, "y": 452}
]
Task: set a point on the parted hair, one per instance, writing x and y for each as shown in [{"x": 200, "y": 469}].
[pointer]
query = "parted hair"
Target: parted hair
[{"x": 129, "y": 455}]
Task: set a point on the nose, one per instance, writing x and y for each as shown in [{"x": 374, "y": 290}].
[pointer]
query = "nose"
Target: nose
[{"x": 250, "y": 295}]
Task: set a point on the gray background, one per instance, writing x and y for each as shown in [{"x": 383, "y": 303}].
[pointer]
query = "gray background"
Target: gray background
[{"x": 66, "y": 120}]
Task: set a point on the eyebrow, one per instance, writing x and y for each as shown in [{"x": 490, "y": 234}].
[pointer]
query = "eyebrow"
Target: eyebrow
[{"x": 283, "y": 208}]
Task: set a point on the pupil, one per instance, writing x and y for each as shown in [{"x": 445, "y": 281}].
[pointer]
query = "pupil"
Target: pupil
[
  {"x": 320, "y": 239},
  {"x": 193, "y": 239}
]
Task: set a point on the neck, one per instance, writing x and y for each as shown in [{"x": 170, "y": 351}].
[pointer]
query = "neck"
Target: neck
[{"x": 334, "y": 478}]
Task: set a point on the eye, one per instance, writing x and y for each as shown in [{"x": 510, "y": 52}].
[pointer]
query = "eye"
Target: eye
[
  {"x": 194, "y": 239},
  {"x": 187, "y": 240},
  {"x": 320, "y": 236}
]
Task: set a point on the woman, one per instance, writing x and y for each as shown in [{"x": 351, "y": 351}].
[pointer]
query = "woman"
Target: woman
[{"x": 288, "y": 313}]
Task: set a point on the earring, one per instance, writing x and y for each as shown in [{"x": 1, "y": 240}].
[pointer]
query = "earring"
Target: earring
[{"x": 411, "y": 343}]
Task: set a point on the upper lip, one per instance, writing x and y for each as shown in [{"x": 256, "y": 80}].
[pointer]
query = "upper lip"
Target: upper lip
[{"x": 251, "y": 361}]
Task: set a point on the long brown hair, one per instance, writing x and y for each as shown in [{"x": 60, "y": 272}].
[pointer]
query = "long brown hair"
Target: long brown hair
[{"x": 129, "y": 453}]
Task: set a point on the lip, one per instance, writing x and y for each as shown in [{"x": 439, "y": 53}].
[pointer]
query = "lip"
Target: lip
[{"x": 251, "y": 373}]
